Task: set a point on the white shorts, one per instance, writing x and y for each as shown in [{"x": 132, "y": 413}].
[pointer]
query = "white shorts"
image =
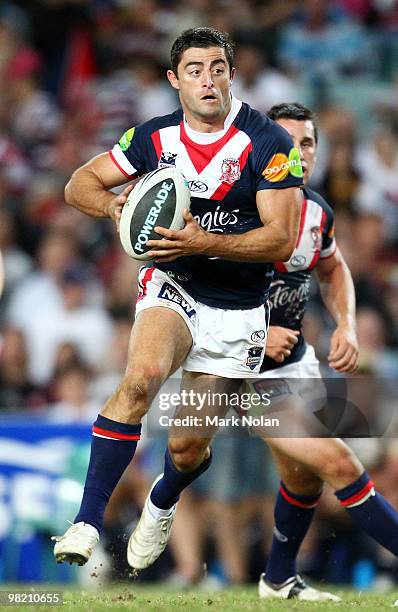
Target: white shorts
[{"x": 228, "y": 343}]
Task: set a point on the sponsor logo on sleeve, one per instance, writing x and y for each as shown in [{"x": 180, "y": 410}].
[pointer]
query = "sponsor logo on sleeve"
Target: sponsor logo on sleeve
[
  {"x": 126, "y": 139},
  {"x": 316, "y": 236},
  {"x": 170, "y": 293},
  {"x": 297, "y": 261},
  {"x": 280, "y": 165},
  {"x": 295, "y": 167}
]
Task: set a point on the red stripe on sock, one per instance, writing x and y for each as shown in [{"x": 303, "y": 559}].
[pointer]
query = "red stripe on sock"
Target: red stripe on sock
[
  {"x": 115, "y": 434},
  {"x": 296, "y": 502},
  {"x": 358, "y": 496}
]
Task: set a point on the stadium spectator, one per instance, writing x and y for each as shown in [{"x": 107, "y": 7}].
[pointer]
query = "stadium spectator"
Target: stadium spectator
[
  {"x": 321, "y": 41},
  {"x": 71, "y": 398},
  {"x": 56, "y": 252},
  {"x": 17, "y": 392},
  {"x": 260, "y": 85},
  {"x": 16, "y": 263},
  {"x": 378, "y": 191},
  {"x": 72, "y": 319}
]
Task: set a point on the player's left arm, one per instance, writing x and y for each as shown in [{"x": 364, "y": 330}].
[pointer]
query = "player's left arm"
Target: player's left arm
[{"x": 338, "y": 294}]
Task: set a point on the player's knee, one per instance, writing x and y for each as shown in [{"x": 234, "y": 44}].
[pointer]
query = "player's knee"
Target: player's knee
[
  {"x": 187, "y": 455},
  {"x": 343, "y": 469},
  {"x": 310, "y": 484},
  {"x": 137, "y": 390}
]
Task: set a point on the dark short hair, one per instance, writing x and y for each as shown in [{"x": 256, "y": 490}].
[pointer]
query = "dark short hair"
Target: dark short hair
[
  {"x": 201, "y": 37},
  {"x": 294, "y": 110}
]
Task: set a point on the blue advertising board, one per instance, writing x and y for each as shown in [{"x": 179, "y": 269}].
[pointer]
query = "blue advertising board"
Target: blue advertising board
[{"x": 42, "y": 469}]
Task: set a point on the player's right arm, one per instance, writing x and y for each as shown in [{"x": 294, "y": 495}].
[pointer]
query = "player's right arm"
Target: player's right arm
[{"x": 88, "y": 188}]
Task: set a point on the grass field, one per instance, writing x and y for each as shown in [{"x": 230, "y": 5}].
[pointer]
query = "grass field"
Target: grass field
[{"x": 123, "y": 597}]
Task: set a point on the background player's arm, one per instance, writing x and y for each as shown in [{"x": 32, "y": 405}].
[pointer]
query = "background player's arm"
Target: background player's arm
[
  {"x": 279, "y": 210},
  {"x": 338, "y": 293},
  {"x": 88, "y": 188},
  {"x": 280, "y": 342}
]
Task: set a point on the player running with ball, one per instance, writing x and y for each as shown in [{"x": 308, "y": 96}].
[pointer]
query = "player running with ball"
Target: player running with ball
[{"x": 203, "y": 301}]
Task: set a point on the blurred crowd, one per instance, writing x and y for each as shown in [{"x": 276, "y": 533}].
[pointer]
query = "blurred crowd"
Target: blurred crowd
[{"x": 74, "y": 75}]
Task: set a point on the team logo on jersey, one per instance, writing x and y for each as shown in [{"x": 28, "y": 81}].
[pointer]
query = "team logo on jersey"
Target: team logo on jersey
[
  {"x": 258, "y": 336},
  {"x": 230, "y": 170},
  {"x": 126, "y": 139},
  {"x": 280, "y": 165},
  {"x": 316, "y": 236},
  {"x": 197, "y": 186},
  {"x": 167, "y": 160},
  {"x": 254, "y": 356}
]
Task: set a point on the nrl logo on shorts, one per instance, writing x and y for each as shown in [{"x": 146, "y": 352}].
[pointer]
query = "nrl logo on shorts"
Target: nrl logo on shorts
[
  {"x": 167, "y": 160},
  {"x": 254, "y": 356},
  {"x": 230, "y": 170}
]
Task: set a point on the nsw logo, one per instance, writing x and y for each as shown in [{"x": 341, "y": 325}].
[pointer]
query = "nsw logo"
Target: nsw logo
[
  {"x": 170, "y": 293},
  {"x": 197, "y": 187}
]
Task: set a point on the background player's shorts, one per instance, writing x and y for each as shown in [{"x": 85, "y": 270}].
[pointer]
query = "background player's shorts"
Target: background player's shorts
[
  {"x": 294, "y": 389},
  {"x": 228, "y": 343}
]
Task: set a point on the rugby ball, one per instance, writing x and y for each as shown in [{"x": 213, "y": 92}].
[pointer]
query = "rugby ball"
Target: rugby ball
[{"x": 158, "y": 199}]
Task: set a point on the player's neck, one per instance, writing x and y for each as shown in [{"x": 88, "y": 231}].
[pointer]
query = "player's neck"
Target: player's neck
[
  {"x": 207, "y": 126},
  {"x": 194, "y": 125}
]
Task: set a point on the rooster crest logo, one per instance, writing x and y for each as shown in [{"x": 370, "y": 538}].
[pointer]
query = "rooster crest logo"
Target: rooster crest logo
[{"x": 230, "y": 170}]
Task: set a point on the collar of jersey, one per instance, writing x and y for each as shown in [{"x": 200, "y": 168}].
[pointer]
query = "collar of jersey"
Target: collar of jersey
[{"x": 210, "y": 137}]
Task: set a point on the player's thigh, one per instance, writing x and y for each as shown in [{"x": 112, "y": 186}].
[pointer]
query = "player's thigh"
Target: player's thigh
[
  {"x": 205, "y": 398},
  {"x": 160, "y": 339}
]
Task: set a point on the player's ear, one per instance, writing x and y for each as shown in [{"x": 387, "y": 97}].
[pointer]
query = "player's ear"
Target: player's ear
[
  {"x": 173, "y": 79},
  {"x": 232, "y": 75}
]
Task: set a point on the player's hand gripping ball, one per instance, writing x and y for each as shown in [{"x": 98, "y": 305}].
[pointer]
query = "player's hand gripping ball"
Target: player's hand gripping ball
[{"x": 158, "y": 199}]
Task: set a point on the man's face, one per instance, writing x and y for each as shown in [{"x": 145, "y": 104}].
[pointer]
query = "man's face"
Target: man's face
[
  {"x": 204, "y": 81},
  {"x": 302, "y": 134}
]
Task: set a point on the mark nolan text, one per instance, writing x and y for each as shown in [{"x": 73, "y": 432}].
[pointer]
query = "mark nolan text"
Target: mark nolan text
[{"x": 215, "y": 421}]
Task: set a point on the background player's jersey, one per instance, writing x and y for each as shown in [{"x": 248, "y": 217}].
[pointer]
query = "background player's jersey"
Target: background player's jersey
[
  {"x": 290, "y": 288},
  {"x": 224, "y": 171}
]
